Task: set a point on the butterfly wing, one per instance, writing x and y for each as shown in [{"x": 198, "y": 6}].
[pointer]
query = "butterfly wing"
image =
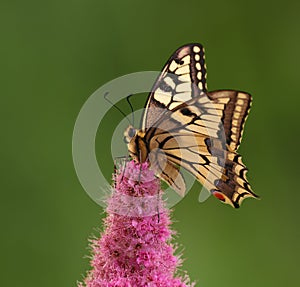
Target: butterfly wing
[
  {"x": 198, "y": 136},
  {"x": 182, "y": 78},
  {"x": 236, "y": 106},
  {"x": 167, "y": 171}
]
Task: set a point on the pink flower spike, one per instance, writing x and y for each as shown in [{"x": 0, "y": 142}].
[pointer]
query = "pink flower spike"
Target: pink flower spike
[{"x": 134, "y": 249}]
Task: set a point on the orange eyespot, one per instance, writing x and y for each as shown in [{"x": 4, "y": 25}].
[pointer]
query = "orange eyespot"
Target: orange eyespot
[{"x": 219, "y": 195}]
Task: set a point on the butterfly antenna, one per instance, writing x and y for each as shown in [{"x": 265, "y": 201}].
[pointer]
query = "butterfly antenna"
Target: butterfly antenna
[
  {"x": 132, "y": 112},
  {"x": 115, "y": 173},
  {"x": 124, "y": 166},
  {"x": 116, "y": 107}
]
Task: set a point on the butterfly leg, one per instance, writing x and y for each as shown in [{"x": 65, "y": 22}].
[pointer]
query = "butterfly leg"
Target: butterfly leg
[{"x": 120, "y": 161}]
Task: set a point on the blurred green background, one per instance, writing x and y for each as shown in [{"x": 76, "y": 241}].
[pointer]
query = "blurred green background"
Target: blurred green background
[{"x": 54, "y": 54}]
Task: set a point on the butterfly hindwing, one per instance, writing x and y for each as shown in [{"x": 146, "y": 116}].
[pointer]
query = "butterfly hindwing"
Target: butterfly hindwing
[
  {"x": 182, "y": 78},
  {"x": 235, "y": 106},
  {"x": 233, "y": 187},
  {"x": 192, "y": 136}
]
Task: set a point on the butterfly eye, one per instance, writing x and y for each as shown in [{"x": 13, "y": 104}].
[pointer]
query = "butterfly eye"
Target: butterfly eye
[{"x": 131, "y": 132}]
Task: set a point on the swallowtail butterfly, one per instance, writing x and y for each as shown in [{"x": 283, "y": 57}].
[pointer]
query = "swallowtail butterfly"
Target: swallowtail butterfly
[{"x": 185, "y": 125}]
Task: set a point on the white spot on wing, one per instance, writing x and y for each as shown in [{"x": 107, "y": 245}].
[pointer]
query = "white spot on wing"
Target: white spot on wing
[{"x": 196, "y": 49}]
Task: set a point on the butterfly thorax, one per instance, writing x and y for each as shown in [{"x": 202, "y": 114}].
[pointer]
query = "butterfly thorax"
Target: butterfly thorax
[{"x": 136, "y": 144}]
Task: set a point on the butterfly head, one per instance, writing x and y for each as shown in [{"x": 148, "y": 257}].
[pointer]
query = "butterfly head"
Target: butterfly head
[
  {"x": 129, "y": 133},
  {"x": 136, "y": 144}
]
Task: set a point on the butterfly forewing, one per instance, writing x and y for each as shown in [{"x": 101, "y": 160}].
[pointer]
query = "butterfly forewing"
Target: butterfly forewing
[{"x": 183, "y": 78}]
